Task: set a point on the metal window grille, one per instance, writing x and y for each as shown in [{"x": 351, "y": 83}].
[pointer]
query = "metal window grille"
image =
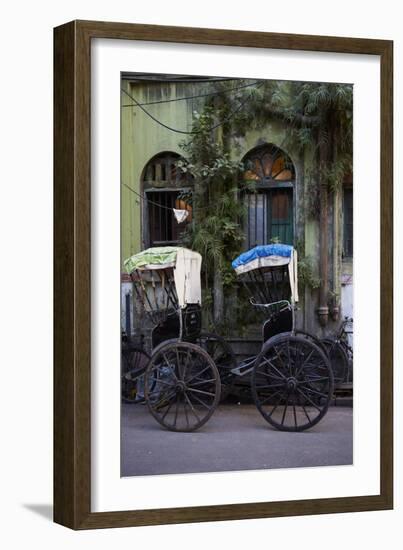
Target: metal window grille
[
  {"x": 269, "y": 217},
  {"x": 163, "y": 228}
]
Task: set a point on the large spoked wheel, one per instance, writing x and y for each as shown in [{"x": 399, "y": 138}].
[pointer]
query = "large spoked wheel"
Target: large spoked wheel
[
  {"x": 338, "y": 360},
  {"x": 224, "y": 359},
  {"x": 182, "y": 386},
  {"x": 292, "y": 383},
  {"x": 134, "y": 364}
]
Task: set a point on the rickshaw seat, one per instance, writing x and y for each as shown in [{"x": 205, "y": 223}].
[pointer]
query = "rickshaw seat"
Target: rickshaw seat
[{"x": 279, "y": 322}]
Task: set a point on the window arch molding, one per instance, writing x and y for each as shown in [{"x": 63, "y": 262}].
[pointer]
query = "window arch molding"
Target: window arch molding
[
  {"x": 161, "y": 171},
  {"x": 268, "y": 164}
]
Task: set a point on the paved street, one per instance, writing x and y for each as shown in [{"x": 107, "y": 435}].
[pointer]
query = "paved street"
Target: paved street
[{"x": 235, "y": 438}]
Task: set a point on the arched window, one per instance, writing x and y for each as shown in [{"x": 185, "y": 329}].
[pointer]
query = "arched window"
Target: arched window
[
  {"x": 165, "y": 187},
  {"x": 268, "y": 183}
]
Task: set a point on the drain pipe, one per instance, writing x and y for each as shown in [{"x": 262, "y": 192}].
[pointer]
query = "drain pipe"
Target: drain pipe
[
  {"x": 323, "y": 309},
  {"x": 336, "y": 249}
]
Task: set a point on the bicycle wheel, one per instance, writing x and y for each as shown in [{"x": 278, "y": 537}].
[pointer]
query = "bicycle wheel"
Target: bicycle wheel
[
  {"x": 224, "y": 358},
  {"x": 292, "y": 383},
  {"x": 338, "y": 360},
  {"x": 134, "y": 364},
  {"x": 311, "y": 338},
  {"x": 182, "y": 386},
  {"x": 350, "y": 357}
]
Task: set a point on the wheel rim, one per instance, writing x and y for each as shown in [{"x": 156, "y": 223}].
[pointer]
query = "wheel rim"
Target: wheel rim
[
  {"x": 338, "y": 360},
  {"x": 182, "y": 386},
  {"x": 223, "y": 357},
  {"x": 134, "y": 363},
  {"x": 292, "y": 383}
]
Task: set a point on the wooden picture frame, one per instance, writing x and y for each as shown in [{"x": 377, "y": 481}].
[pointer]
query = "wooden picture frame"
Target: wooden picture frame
[{"x": 72, "y": 270}]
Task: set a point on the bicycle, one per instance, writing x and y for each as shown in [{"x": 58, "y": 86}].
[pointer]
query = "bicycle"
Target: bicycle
[{"x": 340, "y": 353}]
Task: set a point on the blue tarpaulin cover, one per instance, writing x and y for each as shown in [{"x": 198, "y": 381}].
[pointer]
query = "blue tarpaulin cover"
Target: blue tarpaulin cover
[{"x": 263, "y": 251}]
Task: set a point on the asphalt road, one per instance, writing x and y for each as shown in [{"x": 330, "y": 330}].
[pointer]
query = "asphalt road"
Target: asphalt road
[{"x": 235, "y": 438}]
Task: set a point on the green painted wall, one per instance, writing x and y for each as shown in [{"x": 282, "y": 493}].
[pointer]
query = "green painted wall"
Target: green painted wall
[{"x": 142, "y": 139}]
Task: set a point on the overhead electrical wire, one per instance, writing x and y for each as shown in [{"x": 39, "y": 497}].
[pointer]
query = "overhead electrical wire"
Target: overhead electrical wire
[
  {"x": 195, "y": 96},
  {"x": 192, "y": 132}
]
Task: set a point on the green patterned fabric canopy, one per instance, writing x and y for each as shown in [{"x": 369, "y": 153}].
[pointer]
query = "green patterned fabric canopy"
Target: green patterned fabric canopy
[{"x": 157, "y": 256}]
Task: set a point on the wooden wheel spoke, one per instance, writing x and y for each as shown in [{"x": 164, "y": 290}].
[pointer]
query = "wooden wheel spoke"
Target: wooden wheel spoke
[
  {"x": 304, "y": 361},
  {"x": 178, "y": 399},
  {"x": 297, "y": 356},
  {"x": 276, "y": 405},
  {"x": 271, "y": 397},
  {"x": 289, "y": 358},
  {"x": 191, "y": 407},
  {"x": 271, "y": 375},
  {"x": 186, "y": 364},
  {"x": 309, "y": 399},
  {"x": 318, "y": 379},
  {"x": 203, "y": 382},
  {"x": 186, "y": 413},
  {"x": 198, "y": 374},
  {"x": 279, "y": 357},
  {"x": 178, "y": 364},
  {"x": 168, "y": 363},
  {"x": 315, "y": 366},
  {"x": 200, "y": 401},
  {"x": 164, "y": 393},
  {"x": 307, "y": 388},
  {"x": 268, "y": 361},
  {"x": 284, "y": 412},
  {"x": 168, "y": 409},
  {"x": 200, "y": 391},
  {"x": 306, "y": 414}
]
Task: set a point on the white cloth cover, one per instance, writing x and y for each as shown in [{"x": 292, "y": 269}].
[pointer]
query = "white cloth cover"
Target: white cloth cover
[
  {"x": 187, "y": 277},
  {"x": 293, "y": 276}
]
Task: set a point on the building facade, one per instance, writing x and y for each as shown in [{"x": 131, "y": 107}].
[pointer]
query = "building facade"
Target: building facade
[{"x": 154, "y": 113}]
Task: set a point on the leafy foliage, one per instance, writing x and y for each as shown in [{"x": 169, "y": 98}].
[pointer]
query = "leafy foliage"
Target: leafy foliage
[
  {"x": 306, "y": 274},
  {"x": 216, "y": 232},
  {"x": 317, "y": 120}
]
